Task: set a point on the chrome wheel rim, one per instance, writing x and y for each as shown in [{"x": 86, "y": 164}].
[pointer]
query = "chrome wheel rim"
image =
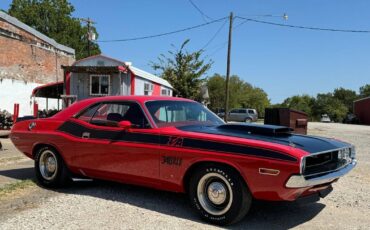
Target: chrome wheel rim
[
  {"x": 48, "y": 165},
  {"x": 214, "y": 194}
]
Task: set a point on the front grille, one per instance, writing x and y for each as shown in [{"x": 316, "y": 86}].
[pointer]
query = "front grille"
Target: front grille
[{"x": 325, "y": 162}]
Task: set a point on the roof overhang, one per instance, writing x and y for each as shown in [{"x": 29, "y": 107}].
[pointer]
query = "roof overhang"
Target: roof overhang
[{"x": 95, "y": 69}]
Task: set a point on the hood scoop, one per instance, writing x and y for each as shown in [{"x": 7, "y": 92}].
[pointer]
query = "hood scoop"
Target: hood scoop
[{"x": 269, "y": 130}]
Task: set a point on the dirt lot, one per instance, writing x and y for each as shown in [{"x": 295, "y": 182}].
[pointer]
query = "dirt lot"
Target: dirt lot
[{"x": 96, "y": 205}]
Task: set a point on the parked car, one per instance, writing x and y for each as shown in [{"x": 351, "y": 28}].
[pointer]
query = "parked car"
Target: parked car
[
  {"x": 241, "y": 115},
  {"x": 179, "y": 145},
  {"x": 220, "y": 112},
  {"x": 325, "y": 118},
  {"x": 351, "y": 119}
]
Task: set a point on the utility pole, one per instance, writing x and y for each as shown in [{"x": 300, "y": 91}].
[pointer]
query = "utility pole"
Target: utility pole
[
  {"x": 90, "y": 34},
  {"x": 228, "y": 69}
]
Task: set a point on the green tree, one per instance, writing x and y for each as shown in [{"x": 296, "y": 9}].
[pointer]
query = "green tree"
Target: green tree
[
  {"x": 300, "y": 102},
  {"x": 365, "y": 91},
  {"x": 346, "y": 96},
  {"x": 54, "y": 19},
  {"x": 328, "y": 104},
  {"x": 242, "y": 94},
  {"x": 216, "y": 91},
  {"x": 184, "y": 70},
  {"x": 257, "y": 99}
]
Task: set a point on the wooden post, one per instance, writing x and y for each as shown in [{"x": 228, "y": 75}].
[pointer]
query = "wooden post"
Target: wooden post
[
  {"x": 35, "y": 109},
  {"x": 228, "y": 69}
]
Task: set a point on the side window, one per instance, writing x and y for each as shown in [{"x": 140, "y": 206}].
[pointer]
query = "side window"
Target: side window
[
  {"x": 234, "y": 111},
  {"x": 88, "y": 114},
  {"x": 99, "y": 85},
  {"x": 165, "y": 92},
  {"x": 148, "y": 88},
  {"x": 242, "y": 111},
  {"x": 179, "y": 113},
  {"x": 109, "y": 114}
]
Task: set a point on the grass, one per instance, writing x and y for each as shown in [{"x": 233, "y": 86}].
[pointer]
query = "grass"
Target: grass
[{"x": 9, "y": 188}]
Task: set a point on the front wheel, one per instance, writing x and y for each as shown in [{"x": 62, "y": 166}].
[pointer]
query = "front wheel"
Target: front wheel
[
  {"x": 219, "y": 195},
  {"x": 50, "y": 168}
]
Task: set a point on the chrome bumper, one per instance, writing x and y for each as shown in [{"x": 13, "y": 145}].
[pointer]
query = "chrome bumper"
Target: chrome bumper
[{"x": 300, "y": 181}]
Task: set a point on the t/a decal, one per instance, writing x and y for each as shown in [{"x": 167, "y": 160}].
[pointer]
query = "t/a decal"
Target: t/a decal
[
  {"x": 171, "y": 160},
  {"x": 175, "y": 141}
]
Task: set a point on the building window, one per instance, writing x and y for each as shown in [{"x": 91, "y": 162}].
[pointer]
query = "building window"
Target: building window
[
  {"x": 148, "y": 88},
  {"x": 165, "y": 92},
  {"x": 99, "y": 85}
]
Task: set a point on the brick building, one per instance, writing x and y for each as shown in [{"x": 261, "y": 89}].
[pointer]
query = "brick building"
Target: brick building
[{"x": 28, "y": 59}]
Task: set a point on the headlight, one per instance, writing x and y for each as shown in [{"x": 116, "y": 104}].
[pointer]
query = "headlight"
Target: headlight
[
  {"x": 346, "y": 154},
  {"x": 341, "y": 154},
  {"x": 352, "y": 152},
  {"x": 303, "y": 164}
]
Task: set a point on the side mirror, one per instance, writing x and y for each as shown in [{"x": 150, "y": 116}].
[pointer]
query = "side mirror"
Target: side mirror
[{"x": 124, "y": 124}]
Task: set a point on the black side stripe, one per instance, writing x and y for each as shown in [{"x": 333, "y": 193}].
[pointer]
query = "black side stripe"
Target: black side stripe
[{"x": 77, "y": 130}]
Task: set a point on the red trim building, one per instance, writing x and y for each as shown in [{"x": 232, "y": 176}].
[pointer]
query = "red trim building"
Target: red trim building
[
  {"x": 361, "y": 109},
  {"x": 100, "y": 75}
]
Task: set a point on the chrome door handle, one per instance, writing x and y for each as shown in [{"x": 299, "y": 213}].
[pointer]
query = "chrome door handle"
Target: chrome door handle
[{"x": 85, "y": 135}]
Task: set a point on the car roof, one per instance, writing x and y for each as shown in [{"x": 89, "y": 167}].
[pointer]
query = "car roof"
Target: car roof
[
  {"x": 141, "y": 99},
  {"x": 78, "y": 106},
  {"x": 244, "y": 108}
]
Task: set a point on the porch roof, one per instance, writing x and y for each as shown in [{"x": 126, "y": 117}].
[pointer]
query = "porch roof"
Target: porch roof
[
  {"x": 51, "y": 90},
  {"x": 94, "y": 69}
]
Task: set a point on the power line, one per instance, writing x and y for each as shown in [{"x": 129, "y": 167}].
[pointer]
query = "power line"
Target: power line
[
  {"x": 214, "y": 36},
  {"x": 222, "y": 45},
  {"x": 304, "y": 27},
  {"x": 163, "y": 34},
  {"x": 200, "y": 11}
]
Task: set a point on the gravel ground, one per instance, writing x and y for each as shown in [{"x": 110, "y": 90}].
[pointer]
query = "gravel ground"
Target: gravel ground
[
  {"x": 14, "y": 166},
  {"x": 104, "y": 205}
]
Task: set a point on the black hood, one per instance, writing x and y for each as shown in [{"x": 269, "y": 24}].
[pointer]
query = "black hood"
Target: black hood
[{"x": 270, "y": 133}]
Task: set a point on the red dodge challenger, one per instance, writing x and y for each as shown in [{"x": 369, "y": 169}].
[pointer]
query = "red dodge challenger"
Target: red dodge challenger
[{"x": 178, "y": 145}]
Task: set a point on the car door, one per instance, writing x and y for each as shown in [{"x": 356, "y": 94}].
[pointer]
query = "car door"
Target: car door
[
  {"x": 241, "y": 115},
  {"x": 233, "y": 115},
  {"x": 106, "y": 151}
]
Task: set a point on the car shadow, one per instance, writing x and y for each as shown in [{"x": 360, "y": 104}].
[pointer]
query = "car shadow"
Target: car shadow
[
  {"x": 263, "y": 215},
  {"x": 19, "y": 174},
  {"x": 278, "y": 215}
]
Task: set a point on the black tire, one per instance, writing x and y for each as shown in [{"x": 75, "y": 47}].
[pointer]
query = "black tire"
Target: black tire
[
  {"x": 248, "y": 120},
  {"x": 237, "y": 200},
  {"x": 55, "y": 179}
]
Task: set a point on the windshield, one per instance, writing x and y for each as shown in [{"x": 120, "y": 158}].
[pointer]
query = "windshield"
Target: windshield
[{"x": 181, "y": 113}]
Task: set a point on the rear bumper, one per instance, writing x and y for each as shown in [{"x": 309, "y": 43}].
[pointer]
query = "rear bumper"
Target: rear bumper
[{"x": 300, "y": 181}]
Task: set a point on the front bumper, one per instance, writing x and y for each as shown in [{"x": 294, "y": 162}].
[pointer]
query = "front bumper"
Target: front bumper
[{"x": 301, "y": 181}]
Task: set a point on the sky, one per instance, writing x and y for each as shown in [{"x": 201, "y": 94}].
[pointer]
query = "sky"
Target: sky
[{"x": 280, "y": 60}]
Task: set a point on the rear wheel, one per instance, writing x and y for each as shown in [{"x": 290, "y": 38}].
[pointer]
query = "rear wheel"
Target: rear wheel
[
  {"x": 219, "y": 194},
  {"x": 50, "y": 168},
  {"x": 248, "y": 120}
]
